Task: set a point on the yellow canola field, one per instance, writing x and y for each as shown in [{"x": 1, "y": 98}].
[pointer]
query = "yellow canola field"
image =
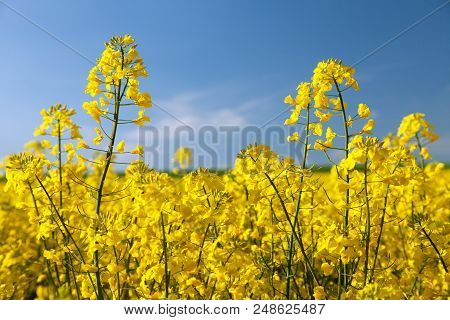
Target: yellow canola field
[{"x": 375, "y": 227}]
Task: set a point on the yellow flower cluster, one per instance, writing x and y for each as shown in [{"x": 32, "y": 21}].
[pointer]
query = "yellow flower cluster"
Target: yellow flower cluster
[
  {"x": 183, "y": 157},
  {"x": 375, "y": 227},
  {"x": 115, "y": 76}
]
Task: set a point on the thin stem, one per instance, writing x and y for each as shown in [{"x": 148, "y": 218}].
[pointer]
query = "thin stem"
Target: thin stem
[
  {"x": 60, "y": 166},
  {"x": 74, "y": 278},
  {"x": 68, "y": 233},
  {"x": 297, "y": 237},
  {"x": 435, "y": 248},
  {"x": 47, "y": 262},
  {"x": 166, "y": 271},
  {"x": 66, "y": 255},
  {"x": 347, "y": 177},
  {"x": 297, "y": 209},
  {"x": 367, "y": 231},
  {"x": 422, "y": 159},
  {"x": 379, "y": 235},
  {"x": 200, "y": 252},
  {"x": 117, "y": 273},
  {"x": 108, "y": 157}
]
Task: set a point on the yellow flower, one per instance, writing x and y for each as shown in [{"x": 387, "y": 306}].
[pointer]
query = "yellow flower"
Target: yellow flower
[
  {"x": 144, "y": 100},
  {"x": 425, "y": 153},
  {"x": 46, "y": 144},
  {"x": 319, "y": 293},
  {"x": 316, "y": 128},
  {"x": 103, "y": 102},
  {"x": 98, "y": 139},
  {"x": 347, "y": 164},
  {"x": 142, "y": 118},
  {"x": 120, "y": 146},
  {"x": 127, "y": 39},
  {"x": 330, "y": 134},
  {"x": 183, "y": 156},
  {"x": 289, "y": 100},
  {"x": 93, "y": 110},
  {"x": 120, "y": 73},
  {"x": 69, "y": 148},
  {"x": 293, "y": 119},
  {"x": 363, "y": 110},
  {"x": 327, "y": 269},
  {"x": 293, "y": 137},
  {"x": 321, "y": 145},
  {"x": 138, "y": 150},
  {"x": 368, "y": 127},
  {"x": 323, "y": 117},
  {"x": 82, "y": 145}
]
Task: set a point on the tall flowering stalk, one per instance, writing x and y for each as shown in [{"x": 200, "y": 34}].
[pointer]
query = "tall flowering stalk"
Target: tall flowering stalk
[
  {"x": 301, "y": 102},
  {"x": 416, "y": 132},
  {"x": 115, "y": 77},
  {"x": 57, "y": 122},
  {"x": 328, "y": 75}
]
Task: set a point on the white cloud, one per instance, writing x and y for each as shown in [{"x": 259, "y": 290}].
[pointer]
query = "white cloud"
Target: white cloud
[
  {"x": 195, "y": 109},
  {"x": 199, "y": 108}
]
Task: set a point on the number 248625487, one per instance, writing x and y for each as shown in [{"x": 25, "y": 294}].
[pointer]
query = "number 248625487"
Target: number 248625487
[{"x": 288, "y": 308}]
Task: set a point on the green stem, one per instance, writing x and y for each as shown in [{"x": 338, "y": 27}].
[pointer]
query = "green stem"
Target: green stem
[
  {"x": 347, "y": 176},
  {"x": 47, "y": 262},
  {"x": 74, "y": 278},
  {"x": 199, "y": 259},
  {"x": 297, "y": 209},
  {"x": 298, "y": 237},
  {"x": 422, "y": 159},
  {"x": 60, "y": 166},
  {"x": 66, "y": 255},
  {"x": 166, "y": 270},
  {"x": 367, "y": 231},
  {"x": 108, "y": 157},
  {"x": 435, "y": 248},
  {"x": 66, "y": 229},
  {"x": 371, "y": 279},
  {"x": 117, "y": 273}
]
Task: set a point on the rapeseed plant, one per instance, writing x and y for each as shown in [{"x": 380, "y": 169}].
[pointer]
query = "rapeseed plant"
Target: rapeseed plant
[{"x": 375, "y": 227}]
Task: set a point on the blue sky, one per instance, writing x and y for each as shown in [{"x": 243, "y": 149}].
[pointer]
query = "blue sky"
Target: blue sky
[{"x": 226, "y": 62}]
